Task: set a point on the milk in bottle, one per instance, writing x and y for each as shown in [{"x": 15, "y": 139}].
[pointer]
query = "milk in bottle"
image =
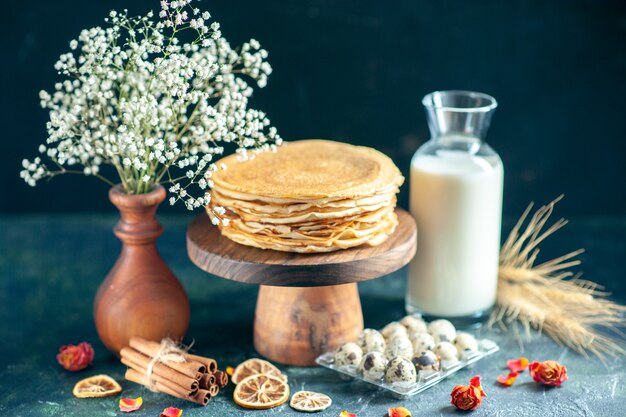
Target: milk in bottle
[{"x": 456, "y": 199}]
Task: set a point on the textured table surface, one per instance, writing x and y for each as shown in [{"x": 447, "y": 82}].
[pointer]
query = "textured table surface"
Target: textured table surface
[{"x": 51, "y": 266}]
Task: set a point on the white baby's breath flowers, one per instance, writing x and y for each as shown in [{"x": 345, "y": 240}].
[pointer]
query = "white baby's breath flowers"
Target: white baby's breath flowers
[{"x": 156, "y": 108}]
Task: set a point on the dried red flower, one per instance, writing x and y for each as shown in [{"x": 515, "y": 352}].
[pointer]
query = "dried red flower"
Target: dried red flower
[
  {"x": 171, "y": 412},
  {"x": 128, "y": 405},
  {"x": 75, "y": 358},
  {"x": 475, "y": 382},
  {"x": 345, "y": 413},
  {"x": 550, "y": 373},
  {"x": 468, "y": 397},
  {"x": 508, "y": 380},
  {"x": 517, "y": 365},
  {"x": 398, "y": 412}
]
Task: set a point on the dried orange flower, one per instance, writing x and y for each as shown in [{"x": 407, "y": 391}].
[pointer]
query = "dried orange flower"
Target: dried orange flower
[
  {"x": 230, "y": 370},
  {"x": 550, "y": 373},
  {"x": 398, "y": 412},
  {"x": 128, "y": 405},
  {"x": 517, "y": 365},
  {"x": 468, "y": 397},
  {"x": 75, "y": 358},
  {"x": 508, "y": 380},
  {"x": 345, "y": 413}
]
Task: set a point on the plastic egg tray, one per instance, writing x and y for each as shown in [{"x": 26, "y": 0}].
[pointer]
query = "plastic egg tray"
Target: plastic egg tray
[{"x": 424, "y": 381}]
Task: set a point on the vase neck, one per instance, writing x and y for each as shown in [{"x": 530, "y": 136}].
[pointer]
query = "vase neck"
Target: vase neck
[
  {"x": 459, "y": 114},
  {"x": 137, "y": 224}
]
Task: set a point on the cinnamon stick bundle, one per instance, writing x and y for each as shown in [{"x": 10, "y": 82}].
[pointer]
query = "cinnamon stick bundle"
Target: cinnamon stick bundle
[
  {"x": 166, "y": 368},
  {"x": 139, "y": 362},
  {"x": 150, "y": 348}
]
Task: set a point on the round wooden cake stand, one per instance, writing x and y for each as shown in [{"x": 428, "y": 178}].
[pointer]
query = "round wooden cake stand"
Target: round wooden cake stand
[{"x": 308, "y": 304}]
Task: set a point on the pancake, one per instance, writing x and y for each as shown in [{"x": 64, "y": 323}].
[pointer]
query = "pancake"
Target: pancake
[
  {"x": 258, "y": 207},
  {"x": 300, "y": 200},
  {"x": 315, "y": 215},
  {"x": 385, "y": 228},
  {"x": 352, "y": 228},
  {"x": 309, "y": 196},
  {"x": 310, "y": 169},
  {"x": 314, "y": 225}
]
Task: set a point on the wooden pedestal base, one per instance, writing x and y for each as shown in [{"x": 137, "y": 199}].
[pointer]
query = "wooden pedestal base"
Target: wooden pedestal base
[{"x": 294, "y": 325}]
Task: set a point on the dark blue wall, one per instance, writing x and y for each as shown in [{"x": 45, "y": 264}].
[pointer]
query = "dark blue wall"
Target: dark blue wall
[{"x": 356, "y": 70}]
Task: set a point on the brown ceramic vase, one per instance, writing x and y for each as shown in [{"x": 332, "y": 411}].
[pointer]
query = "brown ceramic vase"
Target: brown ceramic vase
[{"x": 141, "y": 295}]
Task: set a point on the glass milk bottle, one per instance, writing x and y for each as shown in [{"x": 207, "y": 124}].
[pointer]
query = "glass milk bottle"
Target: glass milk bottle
[{"x": 456, "y": 199}]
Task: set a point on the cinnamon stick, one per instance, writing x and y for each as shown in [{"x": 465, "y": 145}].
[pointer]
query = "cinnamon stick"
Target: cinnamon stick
[
  {"x": 206, "y": 380},
  {"x": 161, "y": 379},
  {"x": 221, "y": 378},
  {"x": 139, "y": 378},
  {"x": 202, "y": 396},
  {"x": 211, "y": 364},
  {"x": 214, "y": 390},
  {"x": 140, "y": 362},
  {"x": 150, "y": 348}
]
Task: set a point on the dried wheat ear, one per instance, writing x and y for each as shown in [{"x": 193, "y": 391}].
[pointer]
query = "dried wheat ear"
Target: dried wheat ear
[{"x": 551, "y": 299}]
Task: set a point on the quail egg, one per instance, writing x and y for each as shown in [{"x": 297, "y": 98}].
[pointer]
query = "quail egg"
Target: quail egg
[
  {"x": 422, "y": 341},
  {"x": 371, "y": 340},
  {"x": 399, "y": 346},
  {"x": 465, "y": 343},
  {"x": 400, "y": 369},
  {"x": 372, "y": 366},
  {"x": 442, "y": 330},
  {"x": 426, "y": 361},
  {"x": 394, "y": 329},
  {"x": 348, "y": 354},
  {"x": 414, "y": 324},
  {"x": 446, "y": 351}
]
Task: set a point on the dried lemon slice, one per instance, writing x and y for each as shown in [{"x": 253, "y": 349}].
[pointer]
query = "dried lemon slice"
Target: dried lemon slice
[
  {"x": 96, "y": 386},
  {"x": 261, "y": 391},
  {"x": 310, "y": 401},
  {"x": 255, "y": 366}
]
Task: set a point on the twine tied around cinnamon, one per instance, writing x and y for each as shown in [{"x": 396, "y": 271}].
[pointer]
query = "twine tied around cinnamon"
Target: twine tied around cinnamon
[{"x": 169, "y": 351}]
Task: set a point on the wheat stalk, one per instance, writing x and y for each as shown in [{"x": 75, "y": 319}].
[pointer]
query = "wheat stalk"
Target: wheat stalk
[{"x": 550, "y": 298}]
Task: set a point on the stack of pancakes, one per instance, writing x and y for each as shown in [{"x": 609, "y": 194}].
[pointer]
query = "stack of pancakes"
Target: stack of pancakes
[{"x": 309, "y": 196}]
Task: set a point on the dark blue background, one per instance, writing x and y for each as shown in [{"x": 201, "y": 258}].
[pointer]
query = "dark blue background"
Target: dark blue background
[{"x": 356, "y": 70}]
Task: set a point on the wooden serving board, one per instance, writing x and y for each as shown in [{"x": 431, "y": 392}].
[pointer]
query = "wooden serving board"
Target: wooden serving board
[
  {"x": 308, "y": 304},
  {"x": 220, "y": 256}
]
